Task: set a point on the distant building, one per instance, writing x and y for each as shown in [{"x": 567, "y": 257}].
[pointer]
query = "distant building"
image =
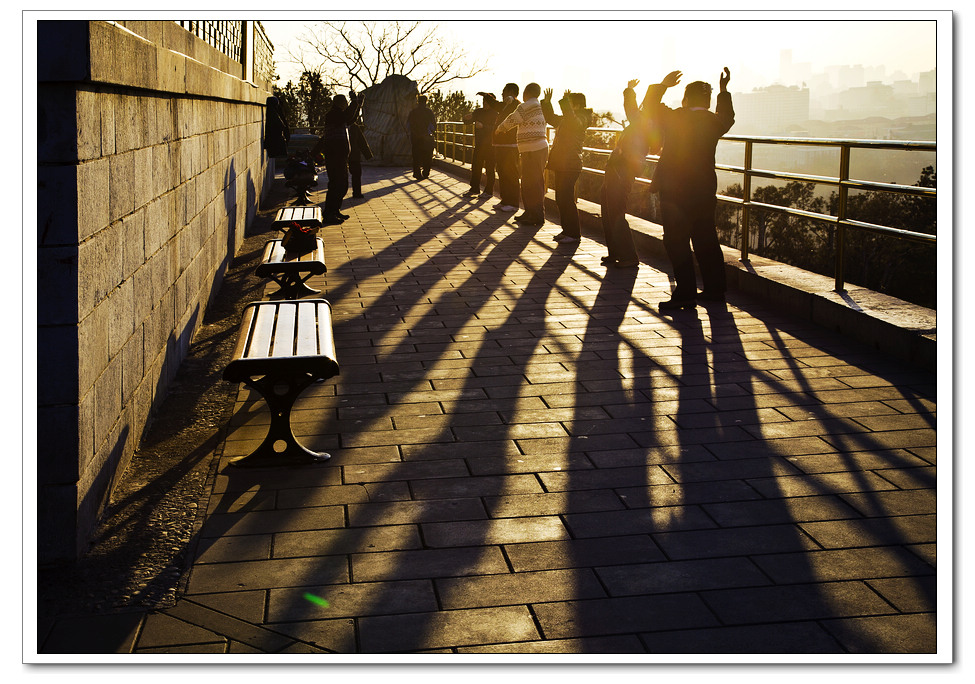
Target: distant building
[{"x": 774, "y": 110}]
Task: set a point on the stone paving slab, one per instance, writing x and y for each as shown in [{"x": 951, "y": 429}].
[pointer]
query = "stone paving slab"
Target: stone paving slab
[{"x": 527, "y": 457}]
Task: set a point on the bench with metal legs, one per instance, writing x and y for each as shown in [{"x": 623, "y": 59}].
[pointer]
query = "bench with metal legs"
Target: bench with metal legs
[{"x": 283, "y": 347}]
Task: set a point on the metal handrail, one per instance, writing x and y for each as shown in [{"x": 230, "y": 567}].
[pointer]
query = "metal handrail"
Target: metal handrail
[{"x": 843, "y": 182}]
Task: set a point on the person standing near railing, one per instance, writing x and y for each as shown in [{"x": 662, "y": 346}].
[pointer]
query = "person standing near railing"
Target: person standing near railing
[
  {"x": 533, "y": 154},
  {"x": 506, "y": 150},
  {"x": 565, "y": 157},
  {"x": 422, "y": 123},
  {"x": 624, "y": 165},
  {"x": 688, "y": 185},
  {"x": 484, "y": 119}
]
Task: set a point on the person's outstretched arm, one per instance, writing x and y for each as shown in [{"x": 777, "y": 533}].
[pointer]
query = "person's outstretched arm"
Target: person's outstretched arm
[{"x": 723, "y": 109}]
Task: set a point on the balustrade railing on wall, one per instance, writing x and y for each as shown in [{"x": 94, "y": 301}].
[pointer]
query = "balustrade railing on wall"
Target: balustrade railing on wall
[{"x": 455, "y": 140}]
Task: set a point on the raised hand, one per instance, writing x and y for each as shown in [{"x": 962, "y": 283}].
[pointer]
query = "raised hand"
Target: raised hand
[
  {"x": 548, "y": 94},
  {"x": 723, "y": 80},
  {"x": 633, "y": 83},
  {"x": 672, "y": 79}
]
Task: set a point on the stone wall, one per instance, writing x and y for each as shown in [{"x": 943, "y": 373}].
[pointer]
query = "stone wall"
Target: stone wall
[{"x": 150, "y": 166}]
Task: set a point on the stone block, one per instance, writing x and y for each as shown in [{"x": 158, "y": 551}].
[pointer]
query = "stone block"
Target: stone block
[
  {"x": 108, "y": 103},
  {"x": 120, "y": 57},
  {"x": 57, "y": 119},
  {"x": 133, "y": 242},
  {"x": 127, "y": 122},
  {"x": 92, "y": 348},
  {"x": 88, "y": 123},
  {"x": 57, "y": 285},
  {"x": 121, "y": 185},
  {"x": 93, "y": 197},
  {"x": 62, "y": 50},
  {"x": 142, "y": 183},
  {"x": 108, "y": 399},
  {"x": 57, "y": 354},
  {"x": 121, "y": 324}
]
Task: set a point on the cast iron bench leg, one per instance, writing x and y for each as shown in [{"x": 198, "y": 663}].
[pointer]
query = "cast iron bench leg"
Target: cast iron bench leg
[
  {"x": 292, "y": 286},
  {"x": 280, "y": 447}
]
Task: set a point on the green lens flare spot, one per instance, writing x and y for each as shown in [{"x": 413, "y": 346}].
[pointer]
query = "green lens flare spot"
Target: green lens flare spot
[{"x": 317, "y": 600}]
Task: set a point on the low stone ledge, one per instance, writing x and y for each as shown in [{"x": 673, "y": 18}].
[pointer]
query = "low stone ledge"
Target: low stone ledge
[{"x": 884, "y": 323}]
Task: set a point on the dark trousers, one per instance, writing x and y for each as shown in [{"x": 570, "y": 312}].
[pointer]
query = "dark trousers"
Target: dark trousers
[
  {"x": 506, "y": 164},
  {"x": 422, "y": 156},
  {"x": 617, "y": 184},
  {"x": 337, "y": 168},
  {"x": 690, "y": 221},
  {"x": 533, "y": 183},
  {"x": 483, "y": 160},
  {"x": 565, "y": 199},
  {"x": 355, "y": 170}
]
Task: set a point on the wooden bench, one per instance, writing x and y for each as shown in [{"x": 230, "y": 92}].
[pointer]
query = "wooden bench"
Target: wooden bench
[
  {"x": 310, "y": 215},
  {"x": 290, "y": 270},
  {"x": 282, "y": 348}
]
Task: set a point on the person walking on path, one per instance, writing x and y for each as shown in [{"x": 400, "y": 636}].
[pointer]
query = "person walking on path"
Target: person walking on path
[
  {"x": 484, "y": 119},
  {"x": 506, "y": 150},
  {"x": 624, "y": 165},
  {"x": 565, "y": 157},
  {"x": 687, "y": 183},
  {"x": 533, "y": 154},
  {"x": 422, "y": 123},
  {"x": 334, "y": 147}
]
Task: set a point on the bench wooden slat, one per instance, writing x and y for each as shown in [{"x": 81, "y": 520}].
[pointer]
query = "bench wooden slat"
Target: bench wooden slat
[
  {"x": 306, "y": 338},
  {"x": 284, "y": 331},
  {"x": 326, "y": 342},
  {"x": 261, "y": 331}
]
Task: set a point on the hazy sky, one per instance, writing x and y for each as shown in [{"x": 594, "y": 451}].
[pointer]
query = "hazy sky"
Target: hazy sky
[{"x": 598, "y": 52}]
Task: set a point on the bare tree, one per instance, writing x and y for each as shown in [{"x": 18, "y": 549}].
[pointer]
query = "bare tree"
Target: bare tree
[{"x": 363, "y": 54}]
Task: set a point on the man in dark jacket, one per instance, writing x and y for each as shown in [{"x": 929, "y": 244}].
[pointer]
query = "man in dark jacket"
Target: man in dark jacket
[
  {"x": 421, "y": 123},
  {"x": 484, "y": 119},
  {"x": 334, "y": 146},
  {"x": 624, "y": 165},
  {"x": 565, "y": 157},
  {"x": 687, "y": 183},
  {"x": 506, "y": 157}
]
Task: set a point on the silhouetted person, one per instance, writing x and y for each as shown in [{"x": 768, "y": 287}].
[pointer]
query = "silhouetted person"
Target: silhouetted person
[
  {"x": 624, "y": 165},
  {"x": 334, "y": 147},
  {"x": 687, "y": 183},
  {"x": 422, "y": 123},
  {"x": 532, "y": 152},
  {"x": 505, "y": 144},
  {"x": 484, "y": 119},
  {"x": 565, "y": 157},
  {"x": 276, "y": 130},
  {"x": 358, "y": 150}
]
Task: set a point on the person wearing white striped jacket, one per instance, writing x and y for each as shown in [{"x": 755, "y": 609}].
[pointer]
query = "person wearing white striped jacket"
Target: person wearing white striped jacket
[{"x": 533, "y": 150}]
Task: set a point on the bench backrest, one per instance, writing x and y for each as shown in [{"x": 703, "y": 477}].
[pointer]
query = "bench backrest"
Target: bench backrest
[{"x": 285, "y": 336}]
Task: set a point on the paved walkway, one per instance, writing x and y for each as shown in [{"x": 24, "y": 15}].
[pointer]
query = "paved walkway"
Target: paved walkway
[{"x": 528, "y": 458}]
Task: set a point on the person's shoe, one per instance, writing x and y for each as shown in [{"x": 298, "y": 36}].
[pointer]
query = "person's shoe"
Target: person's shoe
[
  {"x": 357, "y": 195},
  {"x": 711, "y": 296},
  {"x": 506, "y": 207},
  {"x": 566, "y": 239},
  {"x": 675, "y": 303},
  {"x": 607, "y": 260},
  {"x": 332, "y": 219},
  {"x": 470, "y": 193},
  {"x": 629, "y": 263},
  {"x": 487, "y": 193},
  {"x": 342, "y": 216}
]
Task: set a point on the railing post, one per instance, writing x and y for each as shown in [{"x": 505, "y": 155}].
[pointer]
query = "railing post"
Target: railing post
[
  {"x": 844, "y": 192},
  {"x": 746, "y": 205}
]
